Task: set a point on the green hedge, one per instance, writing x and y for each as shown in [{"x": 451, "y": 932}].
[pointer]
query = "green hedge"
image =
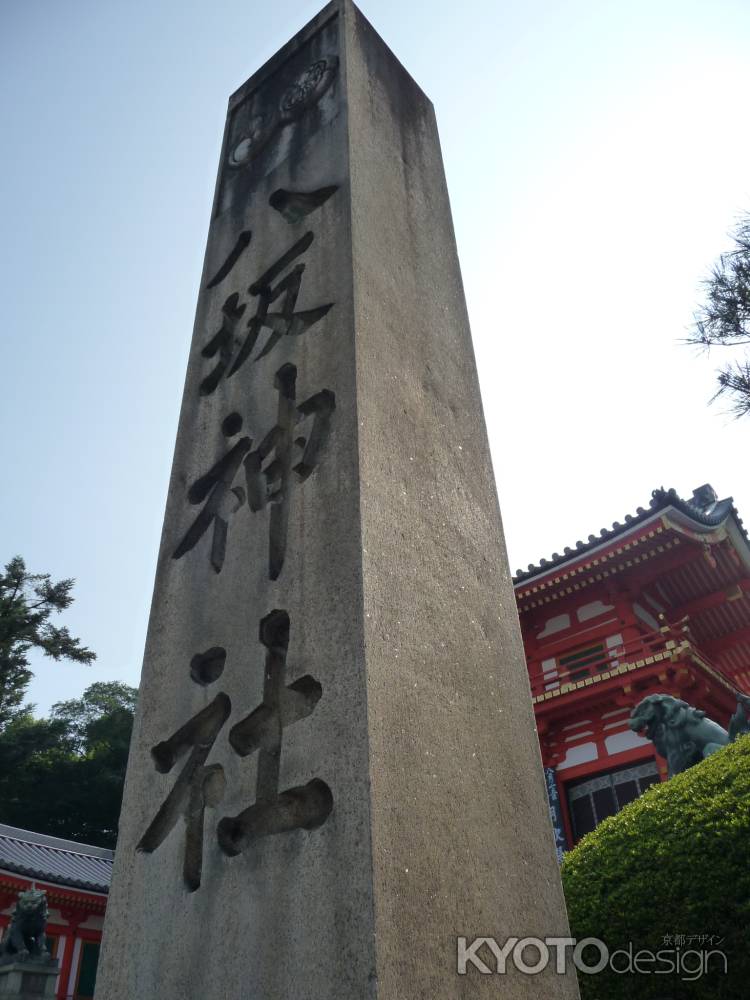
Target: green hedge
[{"x": 674, "y": 862}]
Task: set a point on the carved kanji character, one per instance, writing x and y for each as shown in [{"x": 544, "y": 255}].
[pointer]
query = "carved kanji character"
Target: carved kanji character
[
  {"x": 270, "y": 481},
  {"x": 282, "y": 322},
  {"x": 197, "y": 785},
  {"x": 222, "y": 498},
  {"x": 303, "y": 807}
]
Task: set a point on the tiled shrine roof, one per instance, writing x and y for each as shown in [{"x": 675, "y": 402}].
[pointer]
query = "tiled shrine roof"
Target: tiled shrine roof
[
  {"x": 51, "y": 859},
  {"x": 705, "y": 509}
]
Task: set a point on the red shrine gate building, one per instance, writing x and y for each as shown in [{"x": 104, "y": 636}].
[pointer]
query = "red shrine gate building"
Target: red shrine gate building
[
  {"x": 659, "y": 604},
  {"x": 76, "y": 879}
]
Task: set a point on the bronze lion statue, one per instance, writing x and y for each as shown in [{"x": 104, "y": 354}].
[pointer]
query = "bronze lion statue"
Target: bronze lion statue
[
  {"x": 682, "y": 733},
  {"x": 679, "y": 732},
  {"x": 25, "y": 936}
]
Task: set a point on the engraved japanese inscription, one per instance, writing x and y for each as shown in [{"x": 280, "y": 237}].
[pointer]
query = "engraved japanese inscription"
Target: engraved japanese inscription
[
  {"x": 263, "y": 730},
  {"x": 234, "y": 350},
  {"x": 255, "y": 469},
  {"x": 199, "y": 785}
]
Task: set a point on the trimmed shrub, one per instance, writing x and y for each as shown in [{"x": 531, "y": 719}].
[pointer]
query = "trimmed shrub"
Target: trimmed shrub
[{"x": 670, "y": 867}]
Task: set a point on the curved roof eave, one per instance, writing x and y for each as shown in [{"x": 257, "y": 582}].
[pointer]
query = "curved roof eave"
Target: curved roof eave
[{"x": 697, "y": 519}]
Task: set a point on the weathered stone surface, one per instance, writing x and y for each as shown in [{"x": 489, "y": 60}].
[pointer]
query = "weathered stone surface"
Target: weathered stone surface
[
  {"x": 400, "y": 703},
  {"x": 27, "y": 979}
]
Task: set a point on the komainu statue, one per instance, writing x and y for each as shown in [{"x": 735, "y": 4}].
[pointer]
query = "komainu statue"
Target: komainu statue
[
  {"x": 25, "y": 936},
  {"x": 683, "y": 734}
]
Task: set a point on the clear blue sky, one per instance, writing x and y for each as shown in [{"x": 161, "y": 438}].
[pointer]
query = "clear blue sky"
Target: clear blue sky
[{"x": 597, "y": 152}]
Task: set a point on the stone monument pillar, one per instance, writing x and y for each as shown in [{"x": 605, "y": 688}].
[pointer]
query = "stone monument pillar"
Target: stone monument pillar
[{"x": 334, "y": 771}]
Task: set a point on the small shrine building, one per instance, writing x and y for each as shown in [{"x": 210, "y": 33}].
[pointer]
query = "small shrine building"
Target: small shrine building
[
  {"x": 659, "y": 603},
  {"x": 76, "y": 879}
]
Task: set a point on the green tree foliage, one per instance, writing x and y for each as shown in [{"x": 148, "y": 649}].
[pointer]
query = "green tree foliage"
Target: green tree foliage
[
  {"x": 724, "y": 318},
  {"x": 27, "y": 602},
  {"x": 64, "y": 775},
  {"x": 103, "y": 713},
  {"x": 674, "y": 862}
]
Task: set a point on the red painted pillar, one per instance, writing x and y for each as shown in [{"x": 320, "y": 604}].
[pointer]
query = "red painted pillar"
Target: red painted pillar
[{"x": 74, "y": 919}]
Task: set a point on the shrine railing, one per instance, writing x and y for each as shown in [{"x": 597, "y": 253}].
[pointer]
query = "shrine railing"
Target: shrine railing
[{"x": 598, "y": 659}]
